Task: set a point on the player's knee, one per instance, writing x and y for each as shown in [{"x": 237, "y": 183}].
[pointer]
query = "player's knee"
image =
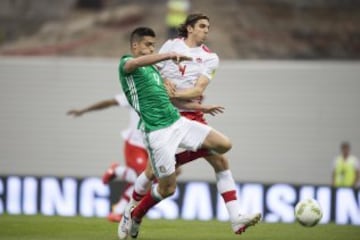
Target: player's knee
[
  {"x": 167, "y": 191},
  {"x": 225, "y": 146}
]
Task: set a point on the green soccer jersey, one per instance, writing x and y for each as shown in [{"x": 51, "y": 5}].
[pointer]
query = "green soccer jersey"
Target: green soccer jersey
[{"x": 146, "y": 93}]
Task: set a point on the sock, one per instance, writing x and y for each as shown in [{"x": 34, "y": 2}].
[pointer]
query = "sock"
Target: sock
[
  {"x": 141, "y": 187},
  {"x": 226, "y": 187},
  {"x": 125, "y": 173},
  {"x": 188, "y": 156},
  {"x": 119, "y": 207},
  {"x": 150, "y": 199}
]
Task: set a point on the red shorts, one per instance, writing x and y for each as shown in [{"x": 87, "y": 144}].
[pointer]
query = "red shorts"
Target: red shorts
[
  {"x": 135, "y": 157},
  {"x": 196, "y": 116}
]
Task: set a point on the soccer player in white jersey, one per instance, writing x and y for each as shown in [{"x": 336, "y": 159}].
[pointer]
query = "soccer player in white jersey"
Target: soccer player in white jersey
[
  {"x": 190, "y": 79},
  {"x": 135, "y": 153}
]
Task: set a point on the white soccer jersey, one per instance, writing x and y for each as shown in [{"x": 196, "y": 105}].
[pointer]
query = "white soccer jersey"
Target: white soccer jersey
[
  {"x": 131, "y": 133},
  {"x": 204, "y": 63}
]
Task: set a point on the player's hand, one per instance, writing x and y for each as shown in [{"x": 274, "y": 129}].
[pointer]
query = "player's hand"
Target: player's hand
[
  {"x": 170, "y": 88},
  {"x": 75, "y": 113},
  {"x": 213, "y": 109}
]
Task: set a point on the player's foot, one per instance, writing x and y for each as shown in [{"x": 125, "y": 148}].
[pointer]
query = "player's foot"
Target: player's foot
[
  {"x": 134, "y": 229},
  {"x": 114, "y": 217},
  {"x": 244, "y": 221},
  {"x": 125, "y": 223},
  {"x": 109, "y": 174}
]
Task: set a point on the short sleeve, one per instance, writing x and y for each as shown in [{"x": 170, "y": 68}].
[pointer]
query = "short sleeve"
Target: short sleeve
[
  {"x": 210, "y": 66},
  {"x": 165, "y": 48},
  {"x": 122, "y": 100},
  {"x": 123, "y": 60}
]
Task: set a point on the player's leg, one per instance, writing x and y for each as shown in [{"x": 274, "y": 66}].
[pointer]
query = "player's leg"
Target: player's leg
[
  {"x": 162, "y": 147},
  {"x": 136, "y": 159},
  {"x": 135, "y": 162},
  {"x": 225, "y": 182},
  {"x": 142, "y": 184}
]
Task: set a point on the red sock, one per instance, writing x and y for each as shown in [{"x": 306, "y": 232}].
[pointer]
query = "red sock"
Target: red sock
[
  {"x": 146, "y": 203},
  {"x": 188, "y": 156}
]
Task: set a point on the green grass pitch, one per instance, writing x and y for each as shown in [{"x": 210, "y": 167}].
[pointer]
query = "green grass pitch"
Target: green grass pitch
[{"x": 80, "y": 228}]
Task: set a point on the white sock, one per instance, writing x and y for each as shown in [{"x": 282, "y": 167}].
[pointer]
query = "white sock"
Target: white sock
[
  {"x": 226, "y": 187},
  {"x": 141, "y": 187},
  {"x": 125, "y": 173}
]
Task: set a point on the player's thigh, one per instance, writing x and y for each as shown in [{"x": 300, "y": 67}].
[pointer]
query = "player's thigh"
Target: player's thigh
[
  {"x": 217, "y": 141},
  {"x": 195, "y": 134},
  {"x": 135, "y": 157},
  {"x": 162, "y": 145}
]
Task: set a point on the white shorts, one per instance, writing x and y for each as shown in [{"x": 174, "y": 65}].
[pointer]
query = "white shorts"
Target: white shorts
[{"x": 163, "y": 143}]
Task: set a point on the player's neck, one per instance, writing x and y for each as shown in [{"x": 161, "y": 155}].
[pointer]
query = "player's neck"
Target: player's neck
[{"x": 191, "y": 43}]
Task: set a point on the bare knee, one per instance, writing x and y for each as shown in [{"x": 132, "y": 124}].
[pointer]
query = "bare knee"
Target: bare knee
[
  {"x": 218, "y": 142},
  {"x": 167, "y": 185},
  {"x": 167, "y": 191},
  {"x": 226, "y": 146}
]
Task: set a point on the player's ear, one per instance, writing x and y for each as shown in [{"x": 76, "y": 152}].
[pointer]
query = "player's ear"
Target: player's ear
[{"x": 189, "y": 29}]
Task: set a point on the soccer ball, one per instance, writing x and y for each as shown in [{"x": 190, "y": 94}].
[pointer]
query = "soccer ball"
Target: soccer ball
[{"x": 308, "y": 212}]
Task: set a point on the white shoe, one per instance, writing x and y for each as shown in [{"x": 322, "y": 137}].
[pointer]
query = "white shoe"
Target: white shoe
[
  {"x": 244, "y": 221},
  {"x": 125, "y": 223}
]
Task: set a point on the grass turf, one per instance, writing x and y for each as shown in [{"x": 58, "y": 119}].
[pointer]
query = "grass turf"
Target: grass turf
[{"x": 79, "y": 228}]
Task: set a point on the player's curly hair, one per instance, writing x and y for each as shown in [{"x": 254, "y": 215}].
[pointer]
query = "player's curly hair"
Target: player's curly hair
[{"x": 191, "y": 20}]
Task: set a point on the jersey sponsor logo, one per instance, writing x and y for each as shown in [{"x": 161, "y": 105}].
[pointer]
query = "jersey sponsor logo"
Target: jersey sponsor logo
[{"x": 162, "y": 169}]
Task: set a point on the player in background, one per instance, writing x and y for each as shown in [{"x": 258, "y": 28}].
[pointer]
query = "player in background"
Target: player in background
[
  {"x": 190, "y": 80},
  {"x": 346, "y": 168},
  {"x": 135, "y": 153}
]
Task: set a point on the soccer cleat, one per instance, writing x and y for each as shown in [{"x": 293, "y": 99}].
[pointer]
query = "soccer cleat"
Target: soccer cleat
[
  {"x": 109, "y": 174},
  {"x": 124, "y": 225},
  {"x": 244, "y": 221},
  {"x": 134, "y": 229},
  {"x": 114, "y": 217}
]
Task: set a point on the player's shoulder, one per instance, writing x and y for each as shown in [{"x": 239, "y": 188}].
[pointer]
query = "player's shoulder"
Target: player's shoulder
[
  {"x": 174, "y": 41},
  {"x": 210, "y": 54},
  {"x": 125, "y": 58}
]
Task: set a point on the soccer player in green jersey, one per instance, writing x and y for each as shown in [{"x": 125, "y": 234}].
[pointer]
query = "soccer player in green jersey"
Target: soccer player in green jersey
[{"x": 164, "y": 129}]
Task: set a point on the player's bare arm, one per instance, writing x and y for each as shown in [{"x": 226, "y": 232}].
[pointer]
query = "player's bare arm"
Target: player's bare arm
[
  {"x": 196, "y": 91},
  {"x": 97, "y": 106},
  {"x": 205, "y": 108},
  {"x": 151, "y": 59}
]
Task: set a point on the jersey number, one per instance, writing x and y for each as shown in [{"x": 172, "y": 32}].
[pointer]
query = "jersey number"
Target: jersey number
[{"x": 182, "y": 69}]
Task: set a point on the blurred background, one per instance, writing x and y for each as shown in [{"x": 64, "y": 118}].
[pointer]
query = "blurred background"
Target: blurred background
[
  {"x": 284, "y": 116},
  {"x": 240, "y": 29},
  {"x": 288, "y": 78}
]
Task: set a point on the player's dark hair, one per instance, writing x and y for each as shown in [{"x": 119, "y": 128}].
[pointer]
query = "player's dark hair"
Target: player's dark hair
[
  {"x": 345, "y": 144},
  {"x": 191, "y": 20},
  {"x": 139, "y": 33}
]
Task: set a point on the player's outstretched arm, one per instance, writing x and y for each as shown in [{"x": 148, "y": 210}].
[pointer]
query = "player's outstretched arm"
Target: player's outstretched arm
[
  {"x": 196, "y": 91},
  {"x": 96, "y": 106},
  {"x": 189, "y": 105},
  {"x": 151, "y": 59}
]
